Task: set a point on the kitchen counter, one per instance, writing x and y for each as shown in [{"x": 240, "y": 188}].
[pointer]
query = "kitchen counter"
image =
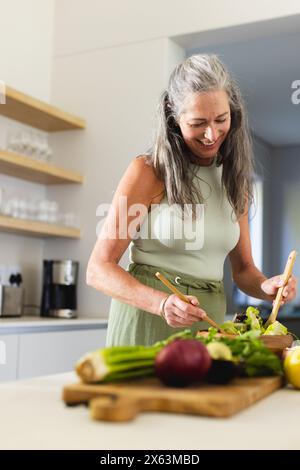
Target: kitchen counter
[
  {"x": 33, "y": 416},
  {"x": 36, "y": 324}
]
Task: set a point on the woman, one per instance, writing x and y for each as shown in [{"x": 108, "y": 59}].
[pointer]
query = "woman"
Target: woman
[{"x": 201, "y": 155}]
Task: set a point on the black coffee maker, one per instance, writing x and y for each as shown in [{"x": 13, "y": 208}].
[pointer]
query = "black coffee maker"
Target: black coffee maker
[{"x": 59, "y": 297}]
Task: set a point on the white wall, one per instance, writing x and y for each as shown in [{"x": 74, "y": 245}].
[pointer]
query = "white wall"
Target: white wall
[
  {"x": 26, "y": 46},
  {"x": 86, "y": 25}
]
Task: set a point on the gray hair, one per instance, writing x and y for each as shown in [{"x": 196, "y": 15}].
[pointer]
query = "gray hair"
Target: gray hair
[{"x": 170, "y": 156}]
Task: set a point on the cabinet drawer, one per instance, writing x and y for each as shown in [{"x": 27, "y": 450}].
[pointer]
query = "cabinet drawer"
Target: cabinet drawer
[
  {"x": 8, "y": 357},
  {"x": 55, "y": 352}
]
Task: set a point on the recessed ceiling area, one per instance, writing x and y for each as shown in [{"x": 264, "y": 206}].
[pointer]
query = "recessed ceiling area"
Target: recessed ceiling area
[{"x": 264, "y": 59}]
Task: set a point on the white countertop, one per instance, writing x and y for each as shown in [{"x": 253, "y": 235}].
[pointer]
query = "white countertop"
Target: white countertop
[
  {"x": 33, "y": 416},
  {"x": 35, "y": 323}
]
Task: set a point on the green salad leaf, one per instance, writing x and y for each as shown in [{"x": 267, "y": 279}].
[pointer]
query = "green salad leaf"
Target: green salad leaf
[
  {"x": 230, "y": 328},
  {"x": 276, "y": 328},
  {"x": 253, "y": 319}
]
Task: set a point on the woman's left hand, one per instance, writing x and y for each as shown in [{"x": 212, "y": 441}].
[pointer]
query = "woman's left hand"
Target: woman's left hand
[{"x": 270, "y": 286}]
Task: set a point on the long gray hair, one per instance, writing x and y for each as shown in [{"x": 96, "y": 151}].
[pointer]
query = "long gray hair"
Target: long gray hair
[{"x": 170, "y": 156}]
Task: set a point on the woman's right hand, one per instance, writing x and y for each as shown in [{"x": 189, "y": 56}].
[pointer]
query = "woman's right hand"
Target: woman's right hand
[{"x": 178, "y": 313}]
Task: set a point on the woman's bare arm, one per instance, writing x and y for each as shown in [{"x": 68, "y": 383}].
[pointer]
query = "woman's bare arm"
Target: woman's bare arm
[
  {"x": 245, "y": 274},
  {"x": 139, "y": 185}
]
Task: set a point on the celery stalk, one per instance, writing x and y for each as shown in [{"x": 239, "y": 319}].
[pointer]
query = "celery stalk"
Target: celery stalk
[{"x": 122, "y": 362}]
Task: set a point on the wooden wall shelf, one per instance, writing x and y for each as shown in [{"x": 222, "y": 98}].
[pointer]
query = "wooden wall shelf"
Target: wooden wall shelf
[
  {"x": 29, "y": 169},
  {"x": 38, "y": 114},
  {"x": 36, "y": 229}
]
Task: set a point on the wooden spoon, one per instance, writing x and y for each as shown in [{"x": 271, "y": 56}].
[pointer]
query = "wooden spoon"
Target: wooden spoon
[
  {"x": 185, "y": 299},
  {"x": 286, "y": 275}
]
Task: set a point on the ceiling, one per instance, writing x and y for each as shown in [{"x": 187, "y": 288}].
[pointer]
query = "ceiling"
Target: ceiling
[{"x": 264, "y": 58}]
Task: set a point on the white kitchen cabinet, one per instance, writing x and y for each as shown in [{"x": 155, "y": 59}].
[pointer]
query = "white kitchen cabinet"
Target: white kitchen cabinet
[
  {"x": 8, "y": 357},
  {"x": 54, "y": 352}
]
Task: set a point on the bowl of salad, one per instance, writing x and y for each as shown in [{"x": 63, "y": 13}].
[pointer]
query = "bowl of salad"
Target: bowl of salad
[{"x": 275, "y": 336}]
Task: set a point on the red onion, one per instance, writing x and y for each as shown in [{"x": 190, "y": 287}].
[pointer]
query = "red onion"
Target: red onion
[{"x": 182, "y": 362}]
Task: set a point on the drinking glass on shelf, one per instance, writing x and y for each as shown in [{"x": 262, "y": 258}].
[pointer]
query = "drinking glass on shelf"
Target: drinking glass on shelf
[
  {"x": 70, "y": 220},
  {"x": 53, "y": 212},
  {"x": 43, "y": 148},
  {"x": 32, "y": 210},
  {"x": 31, "y": 144},
  {"x": 14, "y": 206},
  {"x": 43, "y": 210},
  {"x": 2, "y": 200},
  {"x": 12, "y": 141},
  {"x": 6, "y": 209},
  {"x": 37, "y": 146},
  {"x": 25, "y": 143},
  {"x": 22, "y": 209},
  {"x": 49, "y": 154}
]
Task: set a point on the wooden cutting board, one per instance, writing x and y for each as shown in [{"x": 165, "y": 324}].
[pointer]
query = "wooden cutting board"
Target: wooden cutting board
[{"x": 123, "y": 401}]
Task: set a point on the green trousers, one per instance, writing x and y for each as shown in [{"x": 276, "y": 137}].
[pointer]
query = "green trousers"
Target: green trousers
[{"x": 128, "y": 325}]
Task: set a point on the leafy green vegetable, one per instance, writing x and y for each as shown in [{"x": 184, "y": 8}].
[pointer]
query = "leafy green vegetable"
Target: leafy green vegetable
[
  {"x": 276, "y": 328},
  {"x": 253, "y": 319},
  {"x": 233, "y": 328},
  {"x": 254, "y": 357},
  {"x": 230, "y": 328}
]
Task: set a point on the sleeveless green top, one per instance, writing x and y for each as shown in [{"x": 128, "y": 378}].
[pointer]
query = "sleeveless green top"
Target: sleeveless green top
[{"x": 197, "y": 248}]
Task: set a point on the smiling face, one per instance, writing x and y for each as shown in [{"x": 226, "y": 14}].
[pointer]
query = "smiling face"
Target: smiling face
[{"x": 205, "y": 123}]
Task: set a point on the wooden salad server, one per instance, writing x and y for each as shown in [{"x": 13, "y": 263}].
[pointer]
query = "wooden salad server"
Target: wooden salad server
[{"x": 286, "y": 275}]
